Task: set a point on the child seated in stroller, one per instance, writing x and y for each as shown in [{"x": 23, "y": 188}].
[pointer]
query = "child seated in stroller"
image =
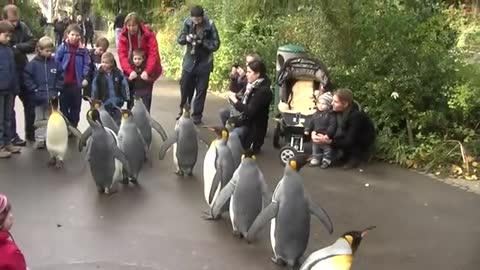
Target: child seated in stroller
[{"x": 323, "y": 123}]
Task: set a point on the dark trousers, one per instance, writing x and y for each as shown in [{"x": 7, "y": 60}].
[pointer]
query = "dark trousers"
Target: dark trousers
[
  {"x": 58, "y": 39},
  {"x": 87, "y": 39},
  {"x": 29, "y": 118},
  {"x": 6, "y": 104},
  {"x": 322, "y": 152},
  {"x": 224, "y": 115},
  {"x": 194, "y": 82},
  {"x": 71, "y": 103}
]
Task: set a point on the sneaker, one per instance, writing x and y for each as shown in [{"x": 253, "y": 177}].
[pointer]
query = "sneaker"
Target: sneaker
[
  {"x": 4, "y": 153},
  {"x": 314, "y": 162},
  {"x": 325, "y": 164},
  {"x": 30, "y": 137},
  {"x": 40, "y": 145},
  {"x": 197, "y": 121},
  {"x": 18, "y": 142},
  {"x": 12, "y": 149}
]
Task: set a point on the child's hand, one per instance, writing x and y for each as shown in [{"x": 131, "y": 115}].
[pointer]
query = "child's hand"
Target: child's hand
[
  {"x": 84, "y": 83},
  {"x": 133, "y": 75},
  {"x": 144, "y": 76}
]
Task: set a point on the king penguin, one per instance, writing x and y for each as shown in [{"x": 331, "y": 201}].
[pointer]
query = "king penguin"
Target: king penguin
[
  {"x": 218, "y": 167},
  {"x": 132, "y": 144},
  {"x": 107, "y": 161},
  {"x": 289, "y": 213},
  {"x": 58, "y": 128},
  {"x": 234, "y": 142},
  {"x": 105, "y": 117},
  {"x": 339, "y": 255},
  {"x": 185, "y": 144},
  {"x": 145, "y": 122},
  {"x": 248, "y": 193}
]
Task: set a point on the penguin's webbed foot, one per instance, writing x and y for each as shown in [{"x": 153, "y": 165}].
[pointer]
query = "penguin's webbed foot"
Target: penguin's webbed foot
[
  {"x": 207, "y": 215},
  {"x": 134, "y": 180},
  {"x": 52, "y": 162},
  {"x": 278, "y": 261},
  {"x": 189, "y": 172},
  {"x": 179, "y": 173},
  {"x": 100, "y": 189},
  {"x": 59, "y": 164},
  {"x": 237, "y": 234}
]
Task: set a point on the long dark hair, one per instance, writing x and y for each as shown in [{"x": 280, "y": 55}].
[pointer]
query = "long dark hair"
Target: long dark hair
[{"x": 258, "y": 67}]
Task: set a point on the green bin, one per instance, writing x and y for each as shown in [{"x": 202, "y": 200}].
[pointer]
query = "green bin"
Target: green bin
[{"x": 284, "y": 53}]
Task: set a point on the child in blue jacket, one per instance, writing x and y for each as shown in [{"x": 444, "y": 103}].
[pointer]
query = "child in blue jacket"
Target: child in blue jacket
[
  {"x": 75, "y": 62},
  {"x": 43, "y": 80},
  {"x": 8, "y": 89},
  {"x": 110, "y": 86}
]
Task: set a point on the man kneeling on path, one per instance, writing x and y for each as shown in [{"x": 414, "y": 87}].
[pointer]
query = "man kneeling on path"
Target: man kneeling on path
[{"x": 355, "y": 134}]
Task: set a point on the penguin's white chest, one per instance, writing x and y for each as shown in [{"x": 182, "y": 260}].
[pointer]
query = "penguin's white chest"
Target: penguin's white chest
[
  {"x": 175, "y": 159},
  {"x": 272, "y": 234},
  {"x": 209, "y": 171},
  {"x": 57, "y": 135},
  {"x": 118, "y": 173}
]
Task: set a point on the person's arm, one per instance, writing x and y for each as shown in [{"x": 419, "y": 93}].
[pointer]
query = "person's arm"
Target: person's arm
[
  {"x": 310, "y": 126},
  {"x": 29, "y": 78},
  {"x": 60, "y": 53},
  {"x": 153, "y": 58},
  {"x": 353, "y": 130},
  {"x": 123, "y": 55},
  {"x": 18, "y": 261},
  {"x": 28, "y": 41},
  {"x": 94, "y": 87},
  {"x": 86, "y": 64},
  {"x": 182, "y": 38},
  {"x": 213, "y": 43},
  {"x": 256, "y": 104},
  {"x": 332, "y": 125}
]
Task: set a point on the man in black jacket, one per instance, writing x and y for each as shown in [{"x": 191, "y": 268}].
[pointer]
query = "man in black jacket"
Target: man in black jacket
[
  {"x": 23, "y": 43},
  {"x": 201, "y": 37},
  {"x": 355, "y": 134}
]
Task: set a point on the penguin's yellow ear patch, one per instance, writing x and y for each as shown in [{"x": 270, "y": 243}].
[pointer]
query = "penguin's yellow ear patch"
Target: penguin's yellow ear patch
[
  {"x": 125, "y": 115},
  {"x": 254, "y": 157},
  {"x": 89, "y": 114},
  {"x": 224, "y": 134},
  {"x": 349, "y": 239},
  {"x": 293, "y": 164}
]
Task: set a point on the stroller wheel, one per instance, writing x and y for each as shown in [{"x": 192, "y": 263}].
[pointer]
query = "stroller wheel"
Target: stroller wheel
[{"x": 286, "y": 153}]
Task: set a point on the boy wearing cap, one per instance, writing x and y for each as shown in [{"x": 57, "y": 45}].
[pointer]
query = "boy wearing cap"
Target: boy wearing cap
[
  {"x": 323, "y": 123},
  {"x": 11, "y": 258}
]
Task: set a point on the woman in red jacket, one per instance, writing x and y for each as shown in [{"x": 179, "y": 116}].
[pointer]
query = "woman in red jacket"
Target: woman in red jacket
[
  {"x": 11, "y": 258},
  {"x": 137, "y": 35}
]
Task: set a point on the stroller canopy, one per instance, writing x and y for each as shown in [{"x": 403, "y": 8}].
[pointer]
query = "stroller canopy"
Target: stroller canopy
[{"x": 306, "y": 69}]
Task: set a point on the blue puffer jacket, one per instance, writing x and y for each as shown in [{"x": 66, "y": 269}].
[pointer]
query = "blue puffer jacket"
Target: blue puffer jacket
[
  {"x": 82, "y": 61},
  {"x": 8, "y": 73},
  {"x": 43, "y": 79}
]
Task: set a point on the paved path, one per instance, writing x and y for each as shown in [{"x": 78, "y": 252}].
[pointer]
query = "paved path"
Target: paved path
[{"x": 62, "y": 223}]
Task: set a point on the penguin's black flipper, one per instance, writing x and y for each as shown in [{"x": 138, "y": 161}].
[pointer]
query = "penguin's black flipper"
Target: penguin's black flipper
[
  {"x": 266, "y": 193},
  {"x": 217, "y": 179},
  {"x": 156, "y": 126},
  {"x": 223, "y": 197},
  {"x": 266, "y": 215},
  {"x": 321, "y": 214},
  {"x": 83, "y": 138},
  {"x": 166, "y": 145},
  {"x": 77, "y": 133},
  {"x": 118, "y": 154}
]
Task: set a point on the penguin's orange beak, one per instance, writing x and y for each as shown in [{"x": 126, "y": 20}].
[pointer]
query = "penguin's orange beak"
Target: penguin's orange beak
[{"x": 365, "y": 232}]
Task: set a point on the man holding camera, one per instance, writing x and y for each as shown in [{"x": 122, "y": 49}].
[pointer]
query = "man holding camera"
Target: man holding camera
[{"x": 201, "y": 37}]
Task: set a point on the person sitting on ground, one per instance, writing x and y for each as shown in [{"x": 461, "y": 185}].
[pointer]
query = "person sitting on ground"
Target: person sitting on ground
[
  {"x": 355, "y": 135},
  {"x": 11, "y": 258},
  {"x": 323, "y": 123},
  {"x": 237, "y": 85},
  {"x": 110, "y": 86},
  {"x": 254, "y": 107},
  {"x": 138, "y": 86},
  {"x": 43, "y": 80}
]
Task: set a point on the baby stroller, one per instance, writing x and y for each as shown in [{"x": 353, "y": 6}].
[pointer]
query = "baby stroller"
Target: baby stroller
[{"x": 299, "y": 81}]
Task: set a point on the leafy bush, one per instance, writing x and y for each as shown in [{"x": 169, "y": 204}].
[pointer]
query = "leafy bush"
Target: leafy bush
[{"x": 406, "y": 64}]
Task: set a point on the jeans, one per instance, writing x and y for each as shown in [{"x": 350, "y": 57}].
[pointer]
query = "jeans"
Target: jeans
[
  {"x": 71, "y": 103},
  {"x": 42, "y": 112},
  {"x": 224, "y": 115},
  {"x": 194, "y": 82},
  {"x": 6, "y": 105},
  {"x": 322, "y": 152},
  {"x": 29, "y": 117}
]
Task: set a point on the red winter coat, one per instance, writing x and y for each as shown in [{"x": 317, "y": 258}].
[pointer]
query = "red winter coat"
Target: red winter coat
[
  {"x": 148, "y": 44},
  {"x": 11, "y": 258}
]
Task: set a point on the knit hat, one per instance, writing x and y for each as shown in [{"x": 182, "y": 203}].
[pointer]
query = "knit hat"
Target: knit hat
[
  {"x": 4, "y": 207},
  {"x": 327, "y": 97}
]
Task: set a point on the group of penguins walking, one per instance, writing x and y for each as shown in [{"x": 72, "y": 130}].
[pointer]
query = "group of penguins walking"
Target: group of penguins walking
[{"x": 233, "y": 181}]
